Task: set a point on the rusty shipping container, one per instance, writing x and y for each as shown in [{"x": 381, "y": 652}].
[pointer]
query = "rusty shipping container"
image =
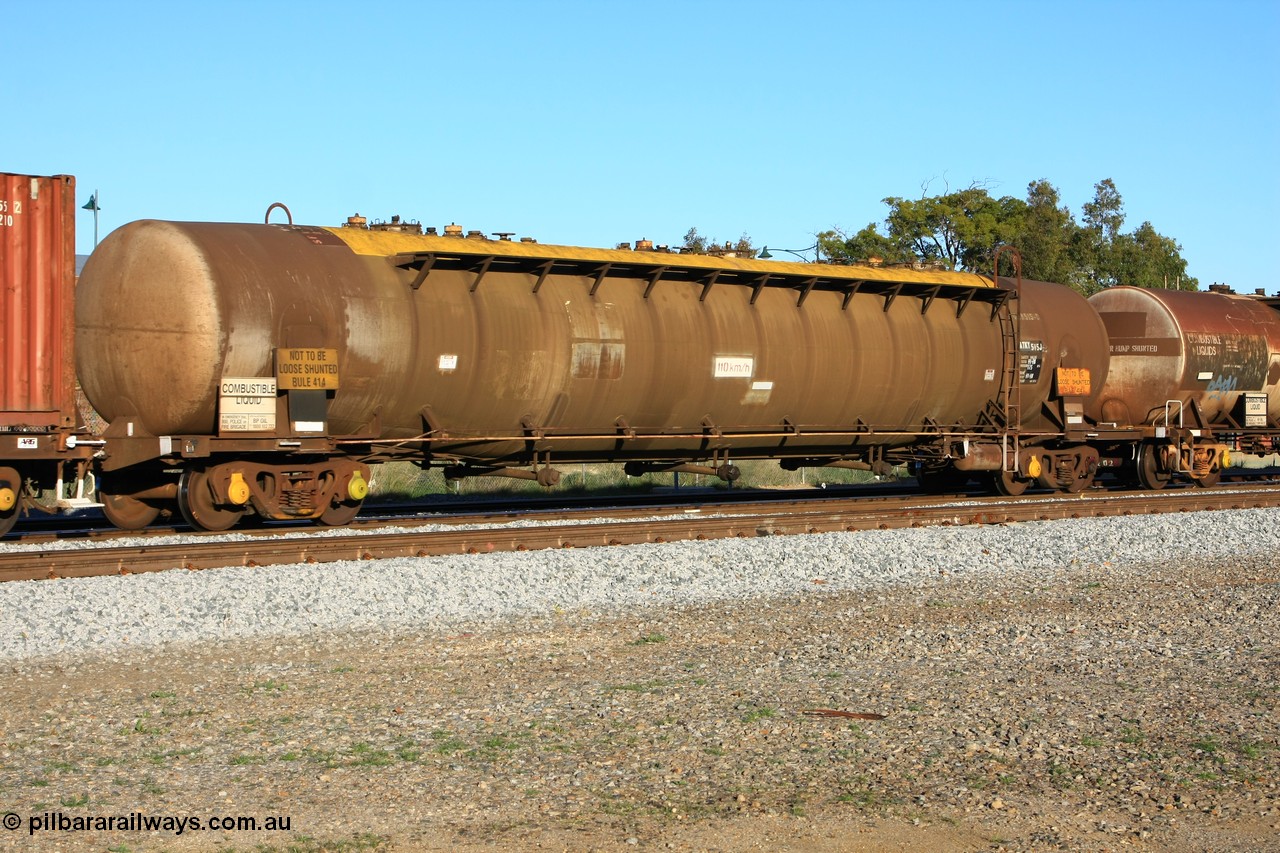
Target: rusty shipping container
[
  {"x": 37, "y": 280},
  {"x": 1170, "y": 348}
]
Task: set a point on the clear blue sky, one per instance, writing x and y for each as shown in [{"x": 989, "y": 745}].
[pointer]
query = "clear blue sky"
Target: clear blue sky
[{"x": 593, "y": 123}]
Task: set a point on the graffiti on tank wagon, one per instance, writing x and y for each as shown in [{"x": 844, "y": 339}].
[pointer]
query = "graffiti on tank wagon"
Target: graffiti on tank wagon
[{"x": 1220, "y": 386}]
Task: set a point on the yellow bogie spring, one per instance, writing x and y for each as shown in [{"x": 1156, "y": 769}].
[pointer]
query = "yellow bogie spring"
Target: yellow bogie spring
[
  {"x": 238, "y": 490},
  {"x": 357, "y": 488},
  {"x": 1033, "y": 467}
]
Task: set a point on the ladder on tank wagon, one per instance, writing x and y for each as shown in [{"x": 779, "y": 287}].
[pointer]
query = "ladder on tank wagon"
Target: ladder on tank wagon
[{"x": 1011, "y": 381}]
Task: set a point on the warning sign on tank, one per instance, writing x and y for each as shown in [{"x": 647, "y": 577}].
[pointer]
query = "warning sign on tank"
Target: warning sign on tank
[
  {"x": 307, "y": 369},
  {"x": 247, "y": 404},
  {"x": 1073, "y": 382}
]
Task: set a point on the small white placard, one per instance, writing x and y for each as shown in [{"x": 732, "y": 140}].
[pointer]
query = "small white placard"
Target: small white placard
[
  {"x": 761, "y": 386},
  {"x": 448, "y": 362},
  {"x": 247, "y": 404},
  {"x": 733, "y": 367}
]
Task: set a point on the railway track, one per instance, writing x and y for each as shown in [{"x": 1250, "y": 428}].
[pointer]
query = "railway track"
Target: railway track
[{"x": 558, "y": 529}]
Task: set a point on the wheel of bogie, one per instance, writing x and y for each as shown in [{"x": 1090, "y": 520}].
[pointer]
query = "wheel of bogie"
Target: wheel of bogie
[
  {"x": 1080, "y": 483},
  {"x": 11, "y": 480},
  {"x": 1208, "y": 481},
  {"x": 9, "y": 518},
  {"x": 1149, "y": 474},
  {"x": 1008, "y": 483},
  {"x": 127, "y": 513},
  {"x": 195, "y": 502},
  {"x": 340, "y": 513}
]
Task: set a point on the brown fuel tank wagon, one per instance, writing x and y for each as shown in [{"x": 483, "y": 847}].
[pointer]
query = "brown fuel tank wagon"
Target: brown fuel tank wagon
[
  {"x": 485, "y": 355},
  {"x": 1173, "y": 348},
  {"x": 1185, "y": 365},
  {"x": 495, "y": 348},
  {"x": 1059, "y": 335}
]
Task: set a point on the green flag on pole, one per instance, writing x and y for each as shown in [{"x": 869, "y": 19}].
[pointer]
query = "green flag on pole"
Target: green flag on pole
[{"x": 92, "y": 204}]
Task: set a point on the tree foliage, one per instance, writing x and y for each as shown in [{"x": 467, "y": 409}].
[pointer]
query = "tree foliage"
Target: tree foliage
[
  {"x": 961, "y": 230},
  {"x": 695, "y": 243}
]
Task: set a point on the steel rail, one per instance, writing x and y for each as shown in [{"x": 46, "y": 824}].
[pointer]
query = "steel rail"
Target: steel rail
[{"x": 800, "y": 517}]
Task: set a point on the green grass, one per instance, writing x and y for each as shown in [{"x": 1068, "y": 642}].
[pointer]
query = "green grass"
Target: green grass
[
  {"x": 864, "y": 798},
  {"x": 640, "y": 686},
  {"x": 270, "y": 685},
  {"x": 169, "y": 755},
  {"x": 498, "y": 742},
  {"x": 305, "y": 844},
  {"x": 649, "y": 639},
  {"x": 364, "y": 755},
  {"x": 1252, "y": 750},
  {"x": 142, "y": 727},
  {"x": 449, "y": 745},
  {"x": 1207, "y": 745}
]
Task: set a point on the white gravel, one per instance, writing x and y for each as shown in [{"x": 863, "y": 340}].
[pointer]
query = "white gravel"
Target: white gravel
[{"x": 104, "y": 614}]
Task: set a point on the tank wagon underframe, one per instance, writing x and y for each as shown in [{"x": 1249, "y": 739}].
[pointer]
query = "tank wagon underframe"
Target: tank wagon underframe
[{"x": 212, "y": 480}]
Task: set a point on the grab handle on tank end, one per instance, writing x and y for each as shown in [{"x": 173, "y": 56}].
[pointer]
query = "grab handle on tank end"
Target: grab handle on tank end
[{"x": 267, "y": 219}]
